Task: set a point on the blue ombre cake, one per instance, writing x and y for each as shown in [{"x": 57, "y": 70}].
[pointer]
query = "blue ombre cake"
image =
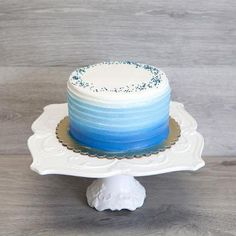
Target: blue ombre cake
[{"x": 119, "y": 106}]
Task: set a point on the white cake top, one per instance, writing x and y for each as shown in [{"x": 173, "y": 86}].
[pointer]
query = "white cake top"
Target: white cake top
[
  {"x": 117, "y": 81},
  {"x": 114, "y": 76}
]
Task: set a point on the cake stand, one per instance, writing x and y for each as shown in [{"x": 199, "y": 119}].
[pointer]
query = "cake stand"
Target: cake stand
[{"x": 115, "y": 187}]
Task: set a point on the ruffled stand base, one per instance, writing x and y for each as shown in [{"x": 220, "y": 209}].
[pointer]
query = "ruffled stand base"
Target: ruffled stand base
[
  {"x": 116, "y": 193},
  {"x": 115, "y": 188}
]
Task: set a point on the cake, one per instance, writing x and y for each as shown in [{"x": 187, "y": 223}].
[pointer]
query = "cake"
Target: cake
[{"x": 118, "y": 106}]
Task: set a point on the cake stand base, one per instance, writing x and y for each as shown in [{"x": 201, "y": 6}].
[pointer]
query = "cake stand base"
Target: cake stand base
[
  {"x": 116, "y": 187},
  {"x": 116, "y": 193}
]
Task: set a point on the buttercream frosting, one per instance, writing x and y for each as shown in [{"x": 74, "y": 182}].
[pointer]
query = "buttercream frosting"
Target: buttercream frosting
[{"x": 119, "y": 106}]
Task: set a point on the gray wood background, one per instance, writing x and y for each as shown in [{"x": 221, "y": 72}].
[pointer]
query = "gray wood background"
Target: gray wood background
[
  {"x": 77, "y": 32},
  {"x": 198, "y": 203},
  {"x": 24, "y": 91},
  {"x": 194, "y": 42}
]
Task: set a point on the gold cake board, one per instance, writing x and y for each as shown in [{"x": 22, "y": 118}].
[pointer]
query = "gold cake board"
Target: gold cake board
[{"x": 62, "y": 133}]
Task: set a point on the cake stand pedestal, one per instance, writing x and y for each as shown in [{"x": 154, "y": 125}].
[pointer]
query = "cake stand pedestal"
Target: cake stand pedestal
[
  {"x": 116, "y": 193},
  {"x": 116, "y": 188}
]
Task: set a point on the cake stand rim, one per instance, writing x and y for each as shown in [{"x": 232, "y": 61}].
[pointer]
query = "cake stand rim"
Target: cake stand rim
[{"x": 51, "y": 167}]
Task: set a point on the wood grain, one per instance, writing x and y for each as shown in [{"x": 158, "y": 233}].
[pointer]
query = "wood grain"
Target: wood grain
[
  {"x": 192, "y": 41},
  {"x": 208, "y": 94},
  {"x": 72, "y": 32},
  {"x": 184, "y": 203}
]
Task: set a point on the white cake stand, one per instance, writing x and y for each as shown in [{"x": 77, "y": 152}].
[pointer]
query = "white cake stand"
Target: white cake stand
[{"x": 116, "y": 188}]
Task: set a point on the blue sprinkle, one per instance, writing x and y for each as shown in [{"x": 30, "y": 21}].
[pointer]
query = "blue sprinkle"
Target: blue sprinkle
[{"x": 154, "y": 81}]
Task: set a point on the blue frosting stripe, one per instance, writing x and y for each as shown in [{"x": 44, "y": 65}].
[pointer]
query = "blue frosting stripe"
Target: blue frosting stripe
[
  {"x": 116, "y": 131},
  {"x": 119, "y": 137},
  {"x": 90, "y": 109},
  {"x": 124, "y": 120},
  {"x": 120, "y": 146},
  {"x": 111, "y": 123}
]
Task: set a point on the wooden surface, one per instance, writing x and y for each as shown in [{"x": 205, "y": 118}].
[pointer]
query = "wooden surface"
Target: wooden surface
[
  {"x": 24, "y": 91},
  {"x": 72, "y": 32},
  {"x": 184, "y": 203},
  {"x": 192, "y": 41}
]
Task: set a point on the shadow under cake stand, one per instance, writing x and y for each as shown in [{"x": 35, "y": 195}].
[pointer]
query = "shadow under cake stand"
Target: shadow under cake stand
[{"x": 115, "y": 187}]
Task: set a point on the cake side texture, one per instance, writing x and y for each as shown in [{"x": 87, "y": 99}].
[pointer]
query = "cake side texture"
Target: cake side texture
[{"x": 119, "y": 106}]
